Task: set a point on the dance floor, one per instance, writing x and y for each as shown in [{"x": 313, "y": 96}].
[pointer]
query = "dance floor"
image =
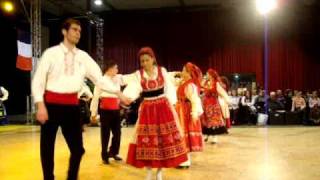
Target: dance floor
[{"x": 247, "y": 153}]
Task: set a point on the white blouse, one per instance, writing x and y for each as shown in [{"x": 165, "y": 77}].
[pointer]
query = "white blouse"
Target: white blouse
[
  {"x": 223, "y": 94},
  {"x": 134, "y": 88},
  {"x": 192, "y": 95},
  {"x": 313, "y": 102},
  {"x": 234, "y": 102}
]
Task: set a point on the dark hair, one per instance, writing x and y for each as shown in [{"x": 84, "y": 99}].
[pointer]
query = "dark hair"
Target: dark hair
[
  {"x": 67, "y": 23},
  {"x": 109, "y": 64},
  {"x": 149, "y": 51}
]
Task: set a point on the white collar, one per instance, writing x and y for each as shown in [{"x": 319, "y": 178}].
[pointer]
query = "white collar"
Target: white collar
[{"x": 66, "y": 50}]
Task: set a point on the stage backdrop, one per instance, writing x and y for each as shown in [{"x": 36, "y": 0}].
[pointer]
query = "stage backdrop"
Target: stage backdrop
[{"x": 229, "y": 40}]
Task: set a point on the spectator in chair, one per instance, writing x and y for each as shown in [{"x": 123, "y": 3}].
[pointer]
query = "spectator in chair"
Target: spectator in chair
[
  {"x": 314, "y": 101},
  {"x": 274, "y": 103},
  {"x": 288, "y": 99},
  {"x": 299, "y": 106},
  {"x": 249, "y": 109},
  {"x": 298, "y": 102},
  {"x": 314, "y": 104},
  {"x": 280, "y": 97},
  {"x": 260, "y": 102},
  {"x": 234, "y": 106}
]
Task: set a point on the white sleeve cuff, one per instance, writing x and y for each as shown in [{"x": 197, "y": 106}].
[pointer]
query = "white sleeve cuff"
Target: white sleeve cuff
[{"x": 38, "y": 99}]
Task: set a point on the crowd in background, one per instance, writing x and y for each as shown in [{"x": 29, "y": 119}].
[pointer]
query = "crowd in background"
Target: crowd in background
[{"x": 246, "y": 104}]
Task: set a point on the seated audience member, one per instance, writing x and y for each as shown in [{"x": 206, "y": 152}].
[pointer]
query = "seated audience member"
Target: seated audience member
[
  {"x": 260, "y": 102},
  {"x": 273, "y": 103},
  {"x": 248, "y": 109},
  {"x": 314, "y": 104},
  {"x": 314, "y": 101},
  {"x": 288, "y": 99},
  {"x": 298, "y": 102},
  {"x": 299, "y": 106},
  {"x": 254, "y": 95},
  {"x": 234, "y": 106},
  {"x": 280, "y": 97}
]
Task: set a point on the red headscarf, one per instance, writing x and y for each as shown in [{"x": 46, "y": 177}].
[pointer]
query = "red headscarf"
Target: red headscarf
[
  {"x": 195, "y": 72},
  {"x": 214, "y": 74},
  {"x": 146, "y": 50}
]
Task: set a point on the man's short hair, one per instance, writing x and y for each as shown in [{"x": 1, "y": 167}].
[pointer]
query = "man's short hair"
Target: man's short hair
[
  {"x": 109, "y": 64},
  {"x": 67, "y": 23}
]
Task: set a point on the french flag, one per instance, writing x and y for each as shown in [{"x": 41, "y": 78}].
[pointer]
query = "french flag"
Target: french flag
[{"x": 24, "y": 58}]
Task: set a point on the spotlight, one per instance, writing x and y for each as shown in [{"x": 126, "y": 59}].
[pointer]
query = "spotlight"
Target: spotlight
[
  {"x": 98, "y": 2},
  {"x": 7, "y": 6},
  {"x": 265, "y": 6},
  {"x": 236, "y": 76}
]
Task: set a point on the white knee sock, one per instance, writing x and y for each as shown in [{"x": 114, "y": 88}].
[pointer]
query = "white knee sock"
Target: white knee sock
[
  {"x": 159, "y": 174},
  {"x": 188, "y": 162},
  {"x": 149, "y": 174},
  {"x": 215, "y": 139}
]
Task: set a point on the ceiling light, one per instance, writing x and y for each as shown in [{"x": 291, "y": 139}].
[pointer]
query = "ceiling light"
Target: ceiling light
[
  {"x": 98, "y": 2},
  {"x": 7, "y": 6},
  {"x": 265, "y": 6}
]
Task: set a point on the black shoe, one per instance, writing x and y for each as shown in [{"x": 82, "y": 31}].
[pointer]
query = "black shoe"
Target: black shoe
[
  {"x": 116, "y": 158},
  {"x": 206, "y": 139},
  {"x": 105, "y": 161},
  {"x": 182, "y": 167}
]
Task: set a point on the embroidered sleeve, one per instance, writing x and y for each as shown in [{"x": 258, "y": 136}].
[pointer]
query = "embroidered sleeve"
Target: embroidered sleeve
[
  {"x": 127, "y": 78},
  {"x": 169, "y": 88},
  {"x": 193, "y": 96},
  {"x": 223, "y": 93},
  {"x": 133, "y": 88}
]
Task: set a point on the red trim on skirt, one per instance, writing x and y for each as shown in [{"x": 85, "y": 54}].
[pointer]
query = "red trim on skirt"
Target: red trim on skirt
[
  {"x": 192, "y": 130},
  {"x": 158, "y": 142},
  {"x": 168, "y": 163}
]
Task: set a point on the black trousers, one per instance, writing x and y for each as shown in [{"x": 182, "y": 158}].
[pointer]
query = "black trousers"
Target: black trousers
[
  {"x": 234, "y": 116},
  {"x": 110, "y": 121},
  {"x": 68, "y": 117}
]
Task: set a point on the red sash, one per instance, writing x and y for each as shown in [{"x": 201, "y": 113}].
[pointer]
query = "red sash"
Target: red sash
[
  {"x": 110, "y": 103},
  {"x": 61, "y": 98}
]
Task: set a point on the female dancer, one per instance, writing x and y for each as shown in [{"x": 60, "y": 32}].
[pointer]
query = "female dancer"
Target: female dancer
[
  {"x": 212, "y": 121},
  {"x": 158, "y": 141},
  {"x": 189, "y": 109}
]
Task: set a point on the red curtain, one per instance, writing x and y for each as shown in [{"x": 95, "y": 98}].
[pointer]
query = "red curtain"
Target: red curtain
[
  {"x": 125, "y": 56},
  {"x": 242, "y": 59},
  {"x": 210, "y": 40},
  {"x": 291, "y": 67}
]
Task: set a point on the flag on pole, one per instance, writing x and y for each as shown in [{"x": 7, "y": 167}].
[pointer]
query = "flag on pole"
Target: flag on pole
[{"x": 24, "y": 57}]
